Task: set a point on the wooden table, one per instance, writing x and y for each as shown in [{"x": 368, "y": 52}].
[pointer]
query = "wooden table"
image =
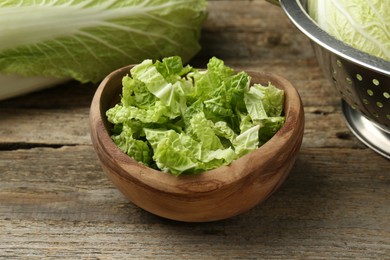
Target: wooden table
[{"x": 56, "y": 202}]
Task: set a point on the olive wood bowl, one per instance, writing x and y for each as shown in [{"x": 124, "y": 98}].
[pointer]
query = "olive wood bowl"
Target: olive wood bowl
[{"x": 209, "y": 196}]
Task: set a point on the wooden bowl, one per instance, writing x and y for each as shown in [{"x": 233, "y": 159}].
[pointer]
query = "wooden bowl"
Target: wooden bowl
[{"x": 213, "y": 195}]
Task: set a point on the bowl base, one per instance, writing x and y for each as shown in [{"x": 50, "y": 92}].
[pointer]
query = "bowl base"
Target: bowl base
[{"x": 366, "y": 131}]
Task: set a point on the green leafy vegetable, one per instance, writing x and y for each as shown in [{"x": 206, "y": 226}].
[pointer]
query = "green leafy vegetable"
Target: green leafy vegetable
[
  {"x": 365, "y": 25},
  {"x": 87, "y": 39},
  {"x": 184, "y": 120}
]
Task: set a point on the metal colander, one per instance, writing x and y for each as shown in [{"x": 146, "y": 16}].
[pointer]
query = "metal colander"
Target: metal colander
[{"x": 362, "y": 80}]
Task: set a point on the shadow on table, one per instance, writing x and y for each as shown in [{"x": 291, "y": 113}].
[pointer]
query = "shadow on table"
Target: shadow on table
[{"x": 300, "y": 203}]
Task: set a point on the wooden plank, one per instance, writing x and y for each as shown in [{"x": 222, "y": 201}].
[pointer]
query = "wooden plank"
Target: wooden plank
[
  {"x": 22, "y": 126},
  {"x": 322, "y": 211},
  {"x": 325, "y": 127},
  {"x": 56, "y": 180},
  {"x": 174, "y": 241}
]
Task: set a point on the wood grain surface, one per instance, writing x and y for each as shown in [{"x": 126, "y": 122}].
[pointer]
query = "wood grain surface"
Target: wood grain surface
[{"x": 56, "y": 202}]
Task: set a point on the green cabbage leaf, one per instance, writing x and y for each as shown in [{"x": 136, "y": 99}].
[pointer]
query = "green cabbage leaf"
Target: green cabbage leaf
[
  {"x": 362, "y": 24},
  {"x": 179, "y": 119},
  {"x": 87, "y": 39}
]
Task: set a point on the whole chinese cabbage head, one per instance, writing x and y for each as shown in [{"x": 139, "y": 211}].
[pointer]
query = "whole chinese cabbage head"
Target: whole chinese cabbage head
[
  {"x": 87, "y": 39},
  {"x": 362, "y": 24}
]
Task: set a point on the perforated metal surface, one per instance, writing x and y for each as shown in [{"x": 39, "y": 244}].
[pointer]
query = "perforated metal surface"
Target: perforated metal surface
[
  {"x": 362, "y": 80},
  {"x": 363, "y": 89}
]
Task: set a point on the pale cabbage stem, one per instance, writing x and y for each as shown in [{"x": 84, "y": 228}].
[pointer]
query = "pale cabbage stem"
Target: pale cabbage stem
[{"x": 52, "y": 21}]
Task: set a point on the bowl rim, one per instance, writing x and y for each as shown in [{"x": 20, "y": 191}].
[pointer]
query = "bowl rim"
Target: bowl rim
[{"x": 204, "y": 182}]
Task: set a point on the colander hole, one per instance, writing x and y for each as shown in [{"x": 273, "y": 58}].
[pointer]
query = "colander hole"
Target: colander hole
[
  {"x": 388, "y": 117},
  {"x": 376, "y": 115},
  {"x": 370, "y": 92},
  {"x": 386, "y": 95},
  {"x": 359, "y": 77},
  {"x": 365, "y": 101},
  {"x": 339, "y": 64},
  {"x": 349, "y": 81},
  {"x": 379, "y": 104},
  {"x": 375, "y": 82}
]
